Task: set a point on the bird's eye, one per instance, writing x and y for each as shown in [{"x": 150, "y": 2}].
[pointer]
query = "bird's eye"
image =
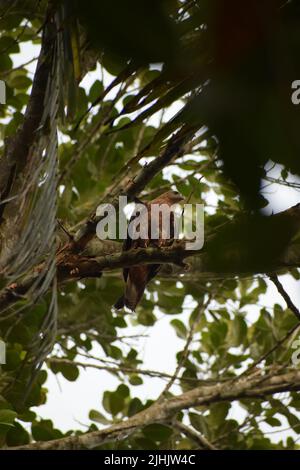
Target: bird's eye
[{"x": 175, "y": 192}]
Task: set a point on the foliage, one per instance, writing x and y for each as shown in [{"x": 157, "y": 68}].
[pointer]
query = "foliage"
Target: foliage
[{"x": 159, "y": 71}]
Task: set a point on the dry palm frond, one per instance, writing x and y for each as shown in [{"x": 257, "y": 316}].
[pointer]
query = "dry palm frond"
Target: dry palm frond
[{"x": 32, "y": 206}]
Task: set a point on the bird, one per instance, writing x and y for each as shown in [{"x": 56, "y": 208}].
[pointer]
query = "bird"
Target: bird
[{"x": 137, "y": 277}]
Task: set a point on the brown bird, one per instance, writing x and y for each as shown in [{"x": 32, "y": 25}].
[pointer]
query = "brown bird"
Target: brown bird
[{"x": 137, "y": 277}]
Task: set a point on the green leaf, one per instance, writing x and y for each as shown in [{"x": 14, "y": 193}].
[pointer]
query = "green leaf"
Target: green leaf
[
  {"x": 135, "y": 406},
  {"x": 271, "y": 421},
  {"x": 8, "y": 44},
  {"x": 237, "y": 331},
  {"x": 116, "y": 403},
  {"x": 135, "y": 380},
  {"x": 179, "y": 327},
  {"x": 157, "y": 432},
  {"x": 17, "y": 436},
  {"x": 98, "y": 417},
  {"x": 21, "y": 82},
  {"x": 95, "y": 90},
  {"x": 123, "y": 391},
  {"x": 7, "y": 416},
  {"x": 218, "y": 413},
  {"x": 69, "y": 371},
  {"x": 43, "y": 431}
]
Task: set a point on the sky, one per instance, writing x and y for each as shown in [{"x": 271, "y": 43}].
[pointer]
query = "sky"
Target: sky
[{"x": 69, "y": 403}]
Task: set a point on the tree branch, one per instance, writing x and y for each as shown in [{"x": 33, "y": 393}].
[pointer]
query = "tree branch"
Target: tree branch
[
  {"x": 209, "y": 263},
  {"x": 185, "y": 352},
  {"x": 17, "y": 147},
  {"x": 285, "y": 295},
  {"x": 194, "y": 436},
  {"x": 121, "y": 368},
  {"x": 259, "y": 385}
]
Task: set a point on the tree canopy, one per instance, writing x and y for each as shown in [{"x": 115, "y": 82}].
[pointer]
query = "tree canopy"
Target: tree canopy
[{"x": 134, "y": 98}]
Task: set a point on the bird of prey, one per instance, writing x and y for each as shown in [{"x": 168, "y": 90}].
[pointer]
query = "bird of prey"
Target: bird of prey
[{"x": 137, "y": 277}]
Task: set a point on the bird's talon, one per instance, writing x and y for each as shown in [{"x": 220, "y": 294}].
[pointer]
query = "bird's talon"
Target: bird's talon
[
  {"x": 12, "y": 286},
  {"x": 180, "y": 243},
  {"x": 74, "y": 271},
  {"x": 186, "y": 267}
]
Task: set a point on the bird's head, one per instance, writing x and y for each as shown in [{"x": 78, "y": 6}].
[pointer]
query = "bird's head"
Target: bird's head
[{"x": 172, "y": 197}]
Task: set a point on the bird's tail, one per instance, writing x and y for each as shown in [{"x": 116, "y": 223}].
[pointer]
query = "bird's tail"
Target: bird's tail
[
  {"x": 123, "y": 301},
  {"x": 133, "y": 293},
  {"x": 131, "y": 297}
]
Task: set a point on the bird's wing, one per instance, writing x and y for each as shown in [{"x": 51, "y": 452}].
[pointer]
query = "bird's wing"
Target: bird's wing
[
  {"x": 154, "y": 268},
  {"x": 128, "y": 243},
  {"x": 172, "y": 226}
]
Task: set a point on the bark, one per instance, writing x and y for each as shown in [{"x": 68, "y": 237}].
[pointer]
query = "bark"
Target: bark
[
  {"x": 225, "y": 261},
  {"x": 16, "y": 162},
  {"x": 259, "y": 385},
  {"x": 16, "y": 152}
]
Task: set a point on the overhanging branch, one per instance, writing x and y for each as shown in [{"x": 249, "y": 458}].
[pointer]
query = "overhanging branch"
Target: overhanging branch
[{"x": 258, "y": 385}]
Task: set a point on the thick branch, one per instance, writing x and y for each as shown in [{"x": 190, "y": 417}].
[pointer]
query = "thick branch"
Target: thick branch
[
  {"x": 78, "y": 266},
  {"x": 255, "y": 386},
  {"x": 17, "y": 147},
  {"x": 21, "y": 160},
  {"x": 223, "y": 256}
]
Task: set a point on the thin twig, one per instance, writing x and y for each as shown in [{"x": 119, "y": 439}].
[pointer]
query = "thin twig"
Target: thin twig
[
  {"x": 194, "y": 436},
  {"x": 285, "y": 295},
  {"x": 185, "y": 350}
]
